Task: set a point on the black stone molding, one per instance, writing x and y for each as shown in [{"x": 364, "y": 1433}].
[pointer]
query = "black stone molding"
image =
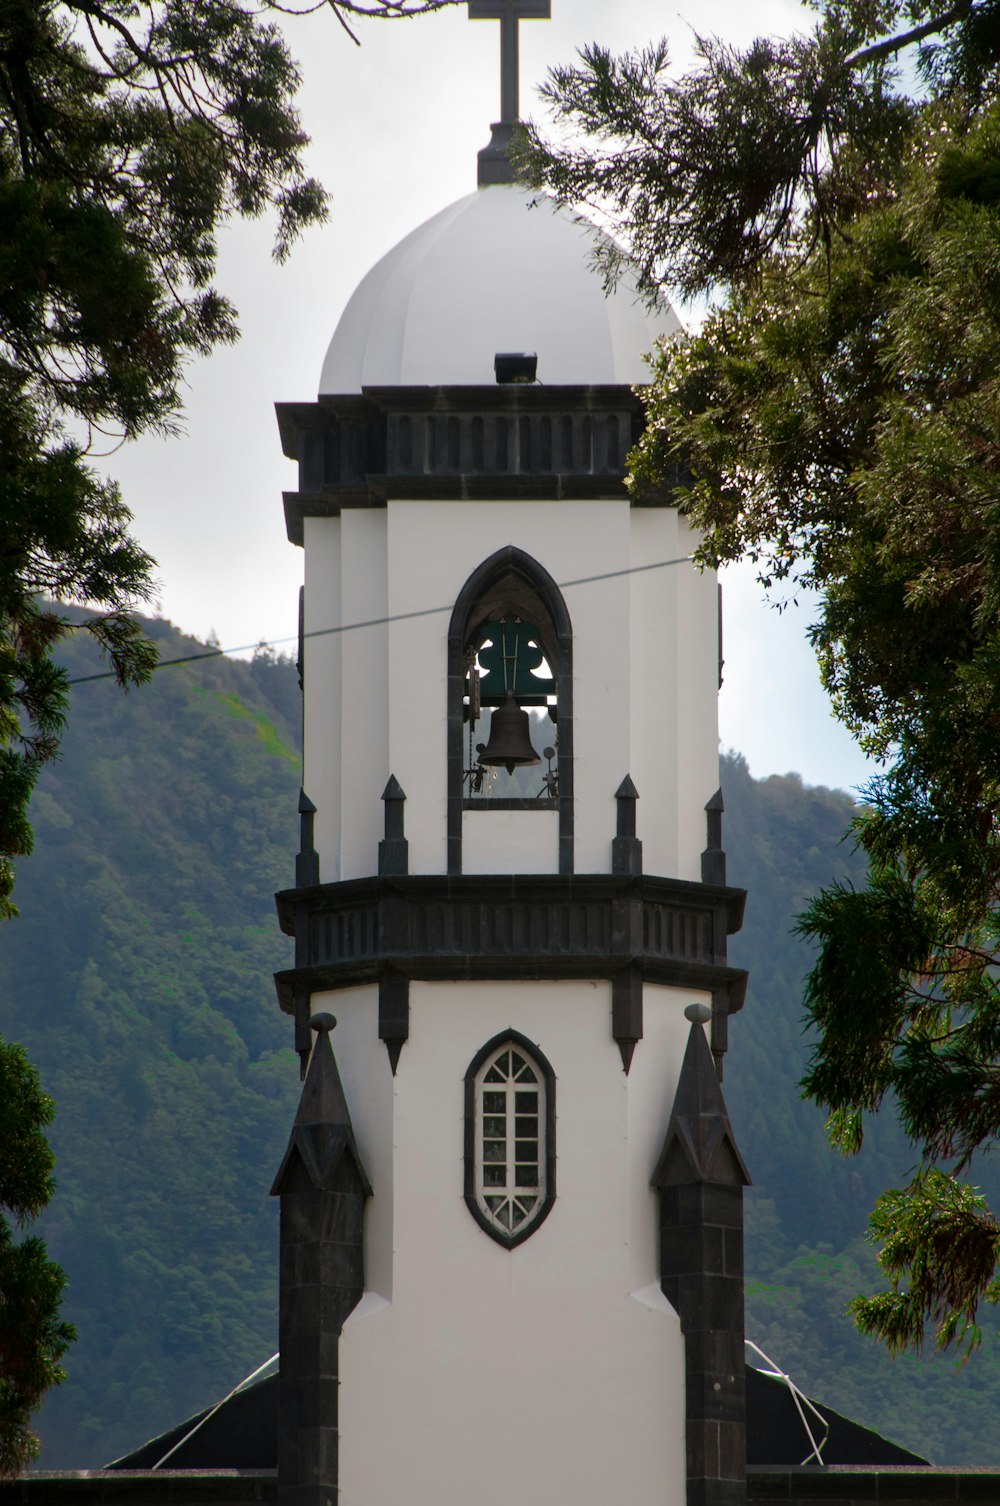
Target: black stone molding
[
  {"x": 493, "y": 165},
  {"x": 474, "y": 443},
  {"x": 322, "y": 1185},
  {"x": 700, "y": 1178},
  {"x": 626, "y": 849},
  {"x": 848, "y": 1485},
  {"x": 629, "y": 928},
  {"x": 307, "y": 858},
  {"x": 393, "y": 1013},
  {"x": 713, "y": 859},
  {"x": 510, "y": 583},
  {"x": 515, "y": 1038},
  {"x": 393, "y": 850}
]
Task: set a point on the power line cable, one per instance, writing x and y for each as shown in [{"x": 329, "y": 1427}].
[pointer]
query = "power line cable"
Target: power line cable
[{"x": 350, "y": 627}]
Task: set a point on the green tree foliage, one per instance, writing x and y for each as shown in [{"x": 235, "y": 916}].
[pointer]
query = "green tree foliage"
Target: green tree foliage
[
  {"x": 838, "y": 416},
  {"x": 32, "y": 1339},
  {"x": 130, "y": 131},
  {"x": 150, "y": 1011}
]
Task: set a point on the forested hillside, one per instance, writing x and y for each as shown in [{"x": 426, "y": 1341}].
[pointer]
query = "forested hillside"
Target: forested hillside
[
  {"x": 139, "y": 978},
  {"x": 806, "y": 1253}
]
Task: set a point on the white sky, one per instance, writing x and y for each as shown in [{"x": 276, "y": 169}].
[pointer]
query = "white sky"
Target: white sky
[{"x": 395, "y": 127}]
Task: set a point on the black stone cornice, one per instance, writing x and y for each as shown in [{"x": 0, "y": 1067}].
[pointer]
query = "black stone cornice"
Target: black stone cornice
[
  {"x": 623, "y": 927},
  {"x": 510, "y": 397},
  {"x": 332, "y": 500},
  {"x": 494, "y": 442}
]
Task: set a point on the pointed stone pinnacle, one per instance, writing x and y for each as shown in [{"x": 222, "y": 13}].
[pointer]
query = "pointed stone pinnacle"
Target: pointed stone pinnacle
[
  {"x": 699, "y": 1145},
  {"x": 323, "y": 1100}
]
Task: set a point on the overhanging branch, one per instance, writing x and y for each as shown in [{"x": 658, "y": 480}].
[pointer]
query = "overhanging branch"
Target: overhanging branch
[{"x": 891, "y": 45}]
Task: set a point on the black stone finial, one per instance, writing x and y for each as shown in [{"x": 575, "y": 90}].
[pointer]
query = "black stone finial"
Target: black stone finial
[
  {"x": 393, "y": 850},
  {"x": 713, "y": 859},
  {"x": 307, "y": 858},
  {"x": 626, "y": 849}
]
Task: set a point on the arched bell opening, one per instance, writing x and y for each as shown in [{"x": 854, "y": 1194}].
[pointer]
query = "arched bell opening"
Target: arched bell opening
[{"x": 510, "y": 703}]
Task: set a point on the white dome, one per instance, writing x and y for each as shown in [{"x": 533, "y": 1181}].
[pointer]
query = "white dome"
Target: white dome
[{"x": 500, "y": 270}]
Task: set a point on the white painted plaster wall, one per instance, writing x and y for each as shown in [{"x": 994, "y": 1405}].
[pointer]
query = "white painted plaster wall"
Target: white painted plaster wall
[
  {"x": 510, "y": 841},
  {"x": 674, "y": 668},
  {"x": 433, "y": 548},
  {"x": 323, "y": 687},
  {"x": 697, "y": 682},
  {"x": 365, "y": 706},
  {"x": 644, "y": 680},
  {"x": 554, "y": 1370},
  {"x": 656, "y": 716}
]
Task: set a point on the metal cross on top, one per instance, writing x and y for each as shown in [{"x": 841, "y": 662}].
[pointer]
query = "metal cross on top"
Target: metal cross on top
[{"x": 509, "y": 13}]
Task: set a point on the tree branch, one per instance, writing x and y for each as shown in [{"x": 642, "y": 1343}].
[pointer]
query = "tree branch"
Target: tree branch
[{"x": 890, "y": 45}]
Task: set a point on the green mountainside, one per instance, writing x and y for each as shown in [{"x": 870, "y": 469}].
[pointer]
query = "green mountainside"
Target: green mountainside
[
  {"x": 806, "y": 1252},
  {"x": 139, "y": 979}
]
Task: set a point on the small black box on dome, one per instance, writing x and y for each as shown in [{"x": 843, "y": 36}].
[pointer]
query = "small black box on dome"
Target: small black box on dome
[{"x": 515, "y": 366}]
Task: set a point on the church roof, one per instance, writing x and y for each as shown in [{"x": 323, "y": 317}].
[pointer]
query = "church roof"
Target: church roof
[
  {"x": 242, "y": 1433},
  {"x": 500, "y": 270}
]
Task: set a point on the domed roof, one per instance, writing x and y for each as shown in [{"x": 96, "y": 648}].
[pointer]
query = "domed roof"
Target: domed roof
[{"x": 500, "y": 270}]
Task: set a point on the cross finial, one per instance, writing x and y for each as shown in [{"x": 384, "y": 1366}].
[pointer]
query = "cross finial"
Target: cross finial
[{"x": 509, "y": 13}]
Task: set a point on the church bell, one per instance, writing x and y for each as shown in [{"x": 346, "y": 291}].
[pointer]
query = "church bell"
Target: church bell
[{"x": 510, "y": 738}]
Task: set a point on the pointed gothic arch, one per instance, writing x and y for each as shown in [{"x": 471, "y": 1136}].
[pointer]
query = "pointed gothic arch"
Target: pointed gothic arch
[
  {"x": 510, "y": 583},
  {"x": 510, "y": 1193}
]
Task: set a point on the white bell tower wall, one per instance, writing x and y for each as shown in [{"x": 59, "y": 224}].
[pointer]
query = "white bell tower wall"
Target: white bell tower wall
[
  {"x": 645, "y": 655},
  {"x": 517, "y": 1329},
  {"x": 482, "y": 1362}
]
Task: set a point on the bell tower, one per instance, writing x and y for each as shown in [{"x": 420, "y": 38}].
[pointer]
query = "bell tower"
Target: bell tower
[{"x": 511, "y": 894}]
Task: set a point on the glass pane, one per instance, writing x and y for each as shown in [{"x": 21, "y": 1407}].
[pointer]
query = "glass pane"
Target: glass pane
[
  {"x": 527, "y": 1203},
  {"x": 526, "y": 1126},
  {"x": 495, "y": 1176},
  {"x": 494, "y": 1202},
  {"x": 494, "y": 1075},
  {"x": 496, "y": 1127},
  {"x": 494, "y": 1103},
  {"x": 519, "y": 1061},
  {"x": 518, "y": 1216},
  {"x": 503, "y": 1215},
  {"x": 526, "y": 1101},
  {"x": 494, "y": 1150},
  {"x": 527, "y": 1150},
  {"x": 527, "y": 1176},
  {"x": 526, "y": 1074}
]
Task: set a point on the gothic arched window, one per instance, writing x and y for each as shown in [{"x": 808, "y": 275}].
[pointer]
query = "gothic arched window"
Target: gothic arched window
[
  {"x": 510, "y": 647},
  {"x": 509, "y": 1138}
]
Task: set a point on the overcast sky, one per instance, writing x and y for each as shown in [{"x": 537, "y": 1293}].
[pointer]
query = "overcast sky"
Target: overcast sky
[{"x": 395, "y": 126}]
